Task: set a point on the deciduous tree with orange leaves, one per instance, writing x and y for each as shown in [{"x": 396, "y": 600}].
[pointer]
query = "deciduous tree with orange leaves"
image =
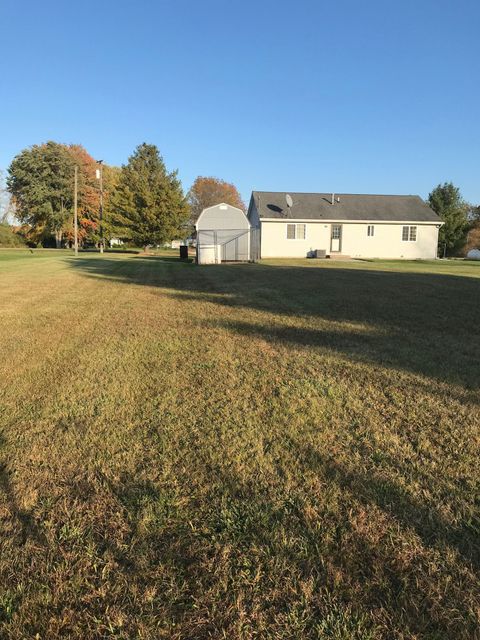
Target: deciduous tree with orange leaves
[
  {"x": 41, "y": 182},
  {"x": 88, "y": 194},
  {"x": 206, "y": 192}
]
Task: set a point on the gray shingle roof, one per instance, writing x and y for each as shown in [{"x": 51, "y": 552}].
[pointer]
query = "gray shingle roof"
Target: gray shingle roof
[{"x": 318, "y": 206}]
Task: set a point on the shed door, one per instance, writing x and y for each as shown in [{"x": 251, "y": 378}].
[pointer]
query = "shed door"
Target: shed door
[{"x": 336, "y": 238}]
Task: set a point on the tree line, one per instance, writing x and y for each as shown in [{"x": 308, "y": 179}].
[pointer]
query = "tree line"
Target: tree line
[
  {"x": 459, "y": 217},
  {"x": 143, "y": 203}
]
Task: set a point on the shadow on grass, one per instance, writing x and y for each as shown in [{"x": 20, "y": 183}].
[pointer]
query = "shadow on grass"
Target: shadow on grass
[
  {"x": 371, "y": 488},
  {"x": 23, "y": 524},
  {"x": 420, "y": 322},
  {"x": 173, "y": 259},
  {"x": 93, "y": 250},
  {"x": 393, "y": 349},
  {"x": 250, "y": 537},
  {"x": 266, "y": 532}
]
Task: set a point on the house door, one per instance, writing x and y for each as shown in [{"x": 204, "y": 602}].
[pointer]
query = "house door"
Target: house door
[{"x": 336, "y": 238}]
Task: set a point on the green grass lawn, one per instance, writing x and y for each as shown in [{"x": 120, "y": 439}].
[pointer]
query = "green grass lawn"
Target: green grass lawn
[{"x": 272, "y": 451}]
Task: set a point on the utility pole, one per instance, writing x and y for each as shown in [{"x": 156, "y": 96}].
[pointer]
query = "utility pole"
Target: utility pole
[
  {"x": 100, "y": 177},
  {"x": 75, "y": 216}
]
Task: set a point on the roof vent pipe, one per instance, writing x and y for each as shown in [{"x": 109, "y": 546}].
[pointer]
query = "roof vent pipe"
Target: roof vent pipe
[{"x": 333, "y": 198}]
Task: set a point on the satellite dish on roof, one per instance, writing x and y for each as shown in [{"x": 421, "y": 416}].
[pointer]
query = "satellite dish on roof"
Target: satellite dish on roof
[{"x": 289, "y": 200}]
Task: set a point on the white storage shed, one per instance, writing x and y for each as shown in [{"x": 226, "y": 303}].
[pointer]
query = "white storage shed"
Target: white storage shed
[{"x": 224, "y": 234}]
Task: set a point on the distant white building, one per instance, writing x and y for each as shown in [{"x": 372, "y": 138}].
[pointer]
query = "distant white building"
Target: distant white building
[
  {"x": 358, "y": 226},
  {"x": 473, "y": 254}
]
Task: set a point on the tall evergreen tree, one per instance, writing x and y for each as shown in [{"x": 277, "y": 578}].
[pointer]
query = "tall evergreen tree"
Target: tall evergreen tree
[
  {"x": 149, "y": 206},
  {"x": 111, "y": 177},
  {"x": 41, "y": 182},
  {"x": 448, "y": 203}
]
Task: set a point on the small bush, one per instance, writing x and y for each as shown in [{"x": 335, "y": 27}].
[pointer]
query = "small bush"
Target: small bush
[{"x": 8, "y": 237}]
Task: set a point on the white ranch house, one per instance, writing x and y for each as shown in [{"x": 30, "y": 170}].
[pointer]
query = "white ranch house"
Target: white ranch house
[{"x": 358, "y": 226}]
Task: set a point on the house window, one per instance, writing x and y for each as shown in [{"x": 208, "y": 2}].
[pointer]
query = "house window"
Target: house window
[
  {"x": 370, "y": 230},
  {"x": 296, "y": 231},
  {"x": 409, "y": 234}
]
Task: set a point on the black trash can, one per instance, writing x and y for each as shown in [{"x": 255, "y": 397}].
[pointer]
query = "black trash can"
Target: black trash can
[{"x": 183, "y": 252}]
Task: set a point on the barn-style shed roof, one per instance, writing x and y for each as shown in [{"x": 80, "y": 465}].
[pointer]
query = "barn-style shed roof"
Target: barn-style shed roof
[{"x": 222, "y": 216}]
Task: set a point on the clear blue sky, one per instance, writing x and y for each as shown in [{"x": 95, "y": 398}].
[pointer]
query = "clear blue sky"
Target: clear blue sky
[{"x": 377, "y": 96}]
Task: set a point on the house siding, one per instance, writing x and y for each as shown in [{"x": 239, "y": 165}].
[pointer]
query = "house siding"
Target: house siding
[
  {"x": 252, "y": 214},
  {"x": 386, "y": 243}
]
